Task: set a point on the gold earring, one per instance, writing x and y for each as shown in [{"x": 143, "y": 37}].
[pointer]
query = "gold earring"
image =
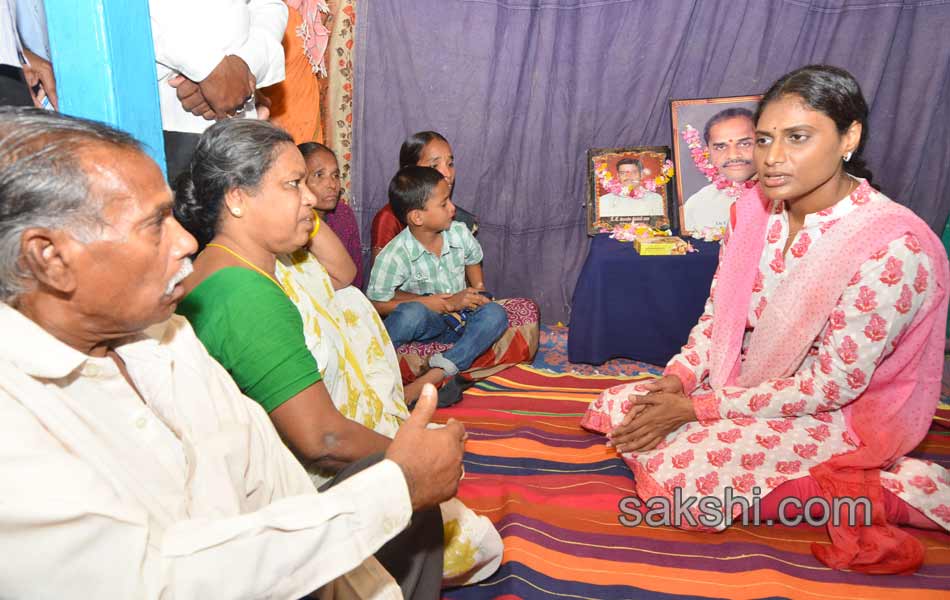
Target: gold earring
[{"x": 236, "y": 212}]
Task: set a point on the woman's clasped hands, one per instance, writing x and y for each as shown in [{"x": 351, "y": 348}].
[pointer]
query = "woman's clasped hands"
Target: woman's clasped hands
[{"x": 652, "y": 416}]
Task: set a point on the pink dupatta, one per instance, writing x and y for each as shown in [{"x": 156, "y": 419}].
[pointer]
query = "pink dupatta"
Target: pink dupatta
[
  {"x": 315, "y": 35},
  {"x": 903, "y": 390}
]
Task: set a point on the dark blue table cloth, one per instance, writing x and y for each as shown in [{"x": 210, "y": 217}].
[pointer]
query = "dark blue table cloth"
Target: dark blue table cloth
[{"x": 640, "y": 307}]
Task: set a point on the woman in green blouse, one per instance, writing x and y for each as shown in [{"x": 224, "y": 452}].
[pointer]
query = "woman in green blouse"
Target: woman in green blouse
[{"x": 260, "y": 248}]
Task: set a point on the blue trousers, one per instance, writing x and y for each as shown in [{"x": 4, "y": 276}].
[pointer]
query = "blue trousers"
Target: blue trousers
[{"x": 413, "y": 322}]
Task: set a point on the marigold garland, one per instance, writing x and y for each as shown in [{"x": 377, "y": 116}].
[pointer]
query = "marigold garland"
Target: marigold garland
[{"x": 611, "y": 185}]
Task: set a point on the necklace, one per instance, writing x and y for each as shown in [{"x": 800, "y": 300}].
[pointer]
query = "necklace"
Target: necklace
[{"x": 248, "y": 263}]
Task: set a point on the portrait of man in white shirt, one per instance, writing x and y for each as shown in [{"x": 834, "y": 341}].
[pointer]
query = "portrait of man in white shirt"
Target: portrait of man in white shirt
[
  {"x": 730, "y": 138},
  {"x": 630, "y": 173}
]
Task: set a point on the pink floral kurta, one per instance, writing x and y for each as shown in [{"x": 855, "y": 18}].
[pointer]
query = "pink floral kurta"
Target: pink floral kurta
[{"x": 774, "y": 432}]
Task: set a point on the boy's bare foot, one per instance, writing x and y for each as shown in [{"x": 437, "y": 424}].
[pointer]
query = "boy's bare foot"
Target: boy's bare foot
[{"x": 412, "y": 390}]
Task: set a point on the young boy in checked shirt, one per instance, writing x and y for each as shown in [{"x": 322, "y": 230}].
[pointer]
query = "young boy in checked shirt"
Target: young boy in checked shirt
[{"x": 418, "y": 282}]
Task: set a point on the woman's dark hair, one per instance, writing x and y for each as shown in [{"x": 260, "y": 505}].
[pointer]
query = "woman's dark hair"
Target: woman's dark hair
[
  {"x": 231, "y": 154},
  {"x": 308, "y": 148},
  {"x": 411, "y": 149},
  {"x": 410, "y": 189},
  {"x": 833, "y": 92}
]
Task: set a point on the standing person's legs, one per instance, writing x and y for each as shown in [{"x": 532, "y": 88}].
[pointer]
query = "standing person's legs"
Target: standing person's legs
[
  {"x": 413, "y": 322},
  {"x": 179, "y": 148},
  {"x": 414, "y": 557},
  {"x": 13, "y": 88}
]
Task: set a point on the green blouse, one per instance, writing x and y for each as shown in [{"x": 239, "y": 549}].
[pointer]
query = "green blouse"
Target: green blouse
[{"x": 254, "y": 330}]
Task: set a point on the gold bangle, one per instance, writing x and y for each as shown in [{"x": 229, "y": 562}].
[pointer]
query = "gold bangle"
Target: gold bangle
[{"x": 316, "y": 225}]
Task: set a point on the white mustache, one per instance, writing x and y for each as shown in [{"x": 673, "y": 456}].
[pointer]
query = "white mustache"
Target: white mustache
[{"x": 183, "y": 271}]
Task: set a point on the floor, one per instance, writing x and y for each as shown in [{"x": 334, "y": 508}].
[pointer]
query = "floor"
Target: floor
[
  {"x": 554, "y": 493},
  {"x": 552, "y": 356}
]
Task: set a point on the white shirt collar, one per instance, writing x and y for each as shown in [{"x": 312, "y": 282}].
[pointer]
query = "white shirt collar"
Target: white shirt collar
[
  {"x": 39, "y": 354},
  {"x": 32, "y": 349}
]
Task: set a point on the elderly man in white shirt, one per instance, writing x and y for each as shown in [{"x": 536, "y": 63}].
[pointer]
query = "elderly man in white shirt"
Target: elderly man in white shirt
[
  {"x": 130, "y": 464},
  {"x": 211, "y": 55}
]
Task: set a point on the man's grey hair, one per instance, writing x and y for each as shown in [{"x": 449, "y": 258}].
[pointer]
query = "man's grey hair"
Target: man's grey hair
[{"x": 43, "y": 183}]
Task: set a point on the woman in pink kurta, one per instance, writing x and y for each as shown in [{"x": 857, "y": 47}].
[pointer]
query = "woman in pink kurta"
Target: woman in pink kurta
[{"x": 815, "y": 367}]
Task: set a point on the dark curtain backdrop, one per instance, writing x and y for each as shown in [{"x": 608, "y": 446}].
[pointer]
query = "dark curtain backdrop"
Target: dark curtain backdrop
[{"x": 522, "y": 88}]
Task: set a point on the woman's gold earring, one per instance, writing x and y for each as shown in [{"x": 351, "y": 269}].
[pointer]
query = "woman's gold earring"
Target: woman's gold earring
[{"x": 236, "y": 212}]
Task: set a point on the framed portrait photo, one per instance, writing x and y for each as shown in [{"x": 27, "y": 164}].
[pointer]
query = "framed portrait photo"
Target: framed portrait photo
[
  {"x": 628, "y": 185},
  {"x": 713, "y": 139}
]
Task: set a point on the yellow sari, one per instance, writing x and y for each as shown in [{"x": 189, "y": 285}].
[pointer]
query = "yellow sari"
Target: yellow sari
[{"x": 361, "y": 372}]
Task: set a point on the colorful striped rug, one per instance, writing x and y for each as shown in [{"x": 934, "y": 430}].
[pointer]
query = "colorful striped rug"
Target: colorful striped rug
[{"x": 553, "y": 489}]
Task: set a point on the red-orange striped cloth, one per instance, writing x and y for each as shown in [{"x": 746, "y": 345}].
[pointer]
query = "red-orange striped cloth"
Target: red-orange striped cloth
[{"x": 553, "y": 490}]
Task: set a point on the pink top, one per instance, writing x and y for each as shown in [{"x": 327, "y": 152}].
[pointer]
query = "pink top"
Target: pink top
[
  {"x": 798, "y": 359},
  {"x": 903, "y": 388}
]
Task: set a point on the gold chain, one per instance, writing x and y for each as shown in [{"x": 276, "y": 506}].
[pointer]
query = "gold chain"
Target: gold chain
[{"x": 248, "y": 263}]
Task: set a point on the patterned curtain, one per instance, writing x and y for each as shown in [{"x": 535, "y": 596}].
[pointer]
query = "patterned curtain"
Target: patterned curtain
[{"x": 337, "y": 98}]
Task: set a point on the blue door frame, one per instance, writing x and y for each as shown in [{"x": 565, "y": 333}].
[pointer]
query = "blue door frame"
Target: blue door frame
[{"x": 105, "y": 66}]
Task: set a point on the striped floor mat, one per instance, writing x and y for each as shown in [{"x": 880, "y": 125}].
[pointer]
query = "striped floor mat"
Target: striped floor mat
[{"x": 553, "y": 489}]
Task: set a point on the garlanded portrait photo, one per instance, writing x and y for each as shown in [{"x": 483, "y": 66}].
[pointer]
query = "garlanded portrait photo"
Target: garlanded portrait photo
[
  {"x": 628, "y": 185},
  {"x": 713, "y": 139}
]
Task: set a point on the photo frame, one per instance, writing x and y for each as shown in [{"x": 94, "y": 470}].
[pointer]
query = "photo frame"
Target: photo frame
[
  {"x": 711, "y": 174},
  {"x": 629, "y": 185}
]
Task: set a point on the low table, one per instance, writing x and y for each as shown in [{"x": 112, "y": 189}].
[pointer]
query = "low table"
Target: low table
[{"x": 639, "y": 307}]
